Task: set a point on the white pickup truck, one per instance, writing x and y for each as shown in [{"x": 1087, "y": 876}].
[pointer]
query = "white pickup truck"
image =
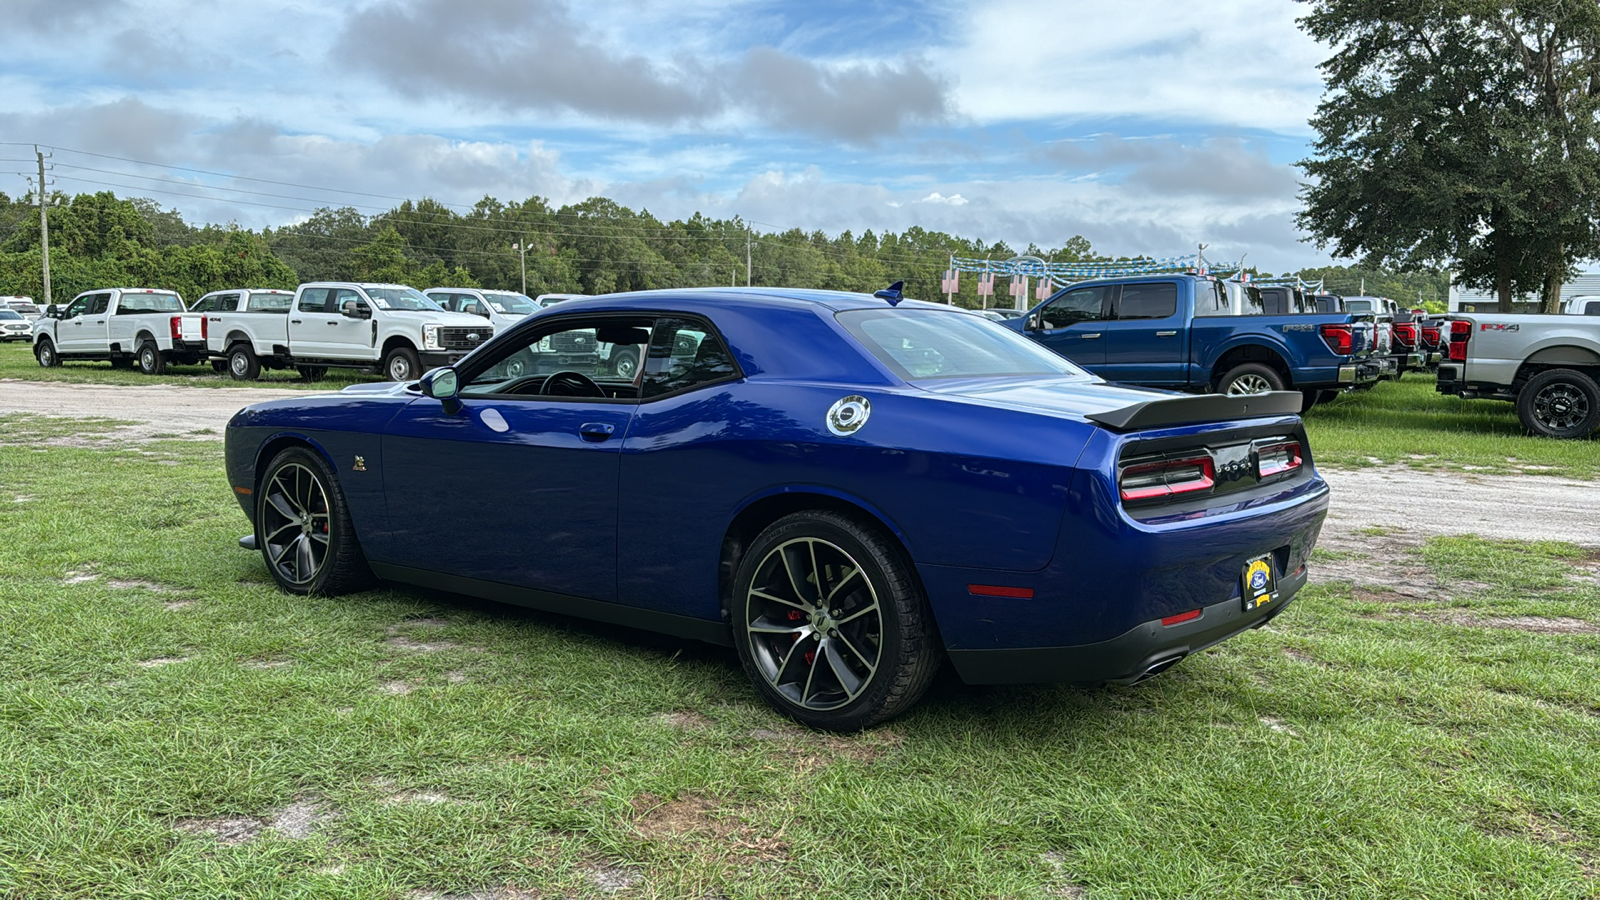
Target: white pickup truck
[
  {"x": 389, "y": 328},
  {"x": 124, "y": 326},
  {"x": 1548, "y": 365}
]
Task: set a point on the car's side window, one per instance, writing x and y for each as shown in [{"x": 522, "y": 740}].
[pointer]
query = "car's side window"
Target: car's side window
[
  {"x": 684, "y": 353},
  {"x": 204, "y": 304},
  {"x": 1083, "y": 305},
  {"x": 314, "y": 300},
  {"x": 99, "y": 304},
  {"x": 574, "y": 358},
  {"x": 1212, "y": 300},
  {"x": 340, "y": 298},
  {"x": 1148, "y": 301},
  {"x": 447, "y": 302},
  {"x": 79, "y": 306}
]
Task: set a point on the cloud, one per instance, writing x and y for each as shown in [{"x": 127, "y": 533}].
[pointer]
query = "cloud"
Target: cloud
[
  {"x": 52, "y": 17},
  {"x": 541, "y": 59},
  {"x": 1224, "y": 168}
]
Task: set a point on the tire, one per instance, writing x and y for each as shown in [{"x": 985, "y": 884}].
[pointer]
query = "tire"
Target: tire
[
  {"x": 45, "y": 353},
  {"x": 151, "y": 359},
  {"x": 242, "y": 363},
  {"x": 312, "y": 373},
  {"x": 877, "y": 610},
  {"x": 625, "y": 364},
  {"x": 1250, "y": 378},
  {"x": 401, "y": 364},
  {"x": 121, "y": 362},
  {"x": 303, "y": 527},
  {"x": 219, "y": 366},
  {"x": 1559, "y": 403},
  {"x": 1312, "y": 398},
  {"x": 1327, "y": 396}
]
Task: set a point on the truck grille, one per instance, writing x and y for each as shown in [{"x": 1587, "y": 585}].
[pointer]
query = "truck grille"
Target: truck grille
[
  {"x": 572, "y": 342},
  {"x": 463, "y": 337}
]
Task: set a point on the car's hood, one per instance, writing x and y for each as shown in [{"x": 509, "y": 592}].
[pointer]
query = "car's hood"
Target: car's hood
[
  {"x": 380, "y": 389},
  {"x": 442, "y": 318},
  {"x": 1115, "y": 406}
]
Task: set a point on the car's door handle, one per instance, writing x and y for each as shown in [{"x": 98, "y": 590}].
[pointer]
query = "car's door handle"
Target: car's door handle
[
  {"x": 294, "y": 321},
  {"x": 1089, "y": 337},
  {"x": 596, "y": 432},
  {"x": 333, "y": 323},
  {"x": 1165, "y": 333}
]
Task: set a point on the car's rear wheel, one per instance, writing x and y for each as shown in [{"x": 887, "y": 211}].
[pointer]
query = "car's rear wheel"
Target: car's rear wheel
[
  {"x": 1560, "y": 403},
  {"x": 1250, "y": 378},
  {"x": 303, "y": 527},
  {"x": 151, "y": 359},
  {"x": 626, "y": 363},
  {"x": 242, "y": 363},
  {"x": 45, "y": 353},
  {"x": 830, "y": 622}
]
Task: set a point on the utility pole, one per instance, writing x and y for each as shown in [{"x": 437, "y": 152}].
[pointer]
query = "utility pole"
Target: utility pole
[
  {"x": 522, "y": 253},
  {"x": 747, "y": 254},
  {"x": 44, "y": 229}
]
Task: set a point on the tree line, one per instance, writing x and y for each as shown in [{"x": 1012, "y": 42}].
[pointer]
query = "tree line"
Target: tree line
[{"x": 593, "y": 247}]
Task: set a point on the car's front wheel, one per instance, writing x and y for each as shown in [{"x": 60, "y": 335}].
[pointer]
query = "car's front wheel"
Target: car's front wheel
[
  {"x": 1560, "y": 403},
  {"x": 402, "y": 364},
  {"x": 45, "y": 353},
  {"x": 831, "y": 624},
  {"x": 303, "y": 527}
]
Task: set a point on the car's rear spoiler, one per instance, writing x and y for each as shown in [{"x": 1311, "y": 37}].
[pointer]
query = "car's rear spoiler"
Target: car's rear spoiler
[{"x": 1193, "y": 409}]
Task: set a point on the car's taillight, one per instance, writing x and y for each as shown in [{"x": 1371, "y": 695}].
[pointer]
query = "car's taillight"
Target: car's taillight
[
  {"x": 204, "y": 331},
  {"x": 1339, "y": 338},
  {"x": 1405, "y": 335},
  {"x": 1460, "y": 332},
  {"x": 1430, "y": 336},
  {"x": 1276, "y": 459},
  {"x": 1167, "y": 478},
  {"x": 177, "y": 328}
]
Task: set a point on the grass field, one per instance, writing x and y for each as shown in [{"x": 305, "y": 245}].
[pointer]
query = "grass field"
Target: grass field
[
  {"x": 171, "y": 726},
  {"x": 16, "y": 361}
]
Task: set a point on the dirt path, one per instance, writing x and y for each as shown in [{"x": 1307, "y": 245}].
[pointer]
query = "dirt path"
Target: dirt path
[{"x": 1524, "y": 507}]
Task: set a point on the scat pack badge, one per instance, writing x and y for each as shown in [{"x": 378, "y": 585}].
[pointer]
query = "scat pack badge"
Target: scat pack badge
[
  {"x": 361, "y": 464},
  {"x": 846, "y": 416}
]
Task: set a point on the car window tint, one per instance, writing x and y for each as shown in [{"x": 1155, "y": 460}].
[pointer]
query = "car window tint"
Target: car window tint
[
  {"x": 684, "y": 353},
  {"x": 1148, "y": 301},
  {"x": 1082, "y": 305},
  {"x": 920, "y": 343},
  {"x": 604, "y": 350},
  {"x": 1210, "y": 299},
  {"x": 101, "y": 303},
  {"x": 314, "y": 300}
]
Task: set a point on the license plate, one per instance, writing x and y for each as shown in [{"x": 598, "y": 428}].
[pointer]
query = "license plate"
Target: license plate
[{"x": 1257, "y": 584}]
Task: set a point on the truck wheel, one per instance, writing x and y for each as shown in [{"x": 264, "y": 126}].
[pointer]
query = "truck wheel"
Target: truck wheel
[
  {"x": 151, "y": 361},
  {"x": 45, "y": 353},
  {"x": 303, "y": 527},
  {"x": 1327, "y": 396},
  {"x": 1312, "y": 398},
  {"x": 312, "y": 373},
  {"x": 626, "y": 363},
  {"x": 121, "y": 362},
  {"x": 1250, "y": 378},
  {"x": 219, "y": 366},
  {"x": 242, "y": 363},
  {"x": 401, "y": 364},
  {"x": 1559, "y": 403}
]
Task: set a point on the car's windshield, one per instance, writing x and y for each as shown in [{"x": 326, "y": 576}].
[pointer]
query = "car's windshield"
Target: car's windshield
[
  {"x": 511, "y": 303},
  {"x": 932, "y": 343},
  {"x": 152, "y": 301},
  {"x": 402, "y": 298},
  {"x": 270, "y": 301},
  {"x": 8, "y": 314}
]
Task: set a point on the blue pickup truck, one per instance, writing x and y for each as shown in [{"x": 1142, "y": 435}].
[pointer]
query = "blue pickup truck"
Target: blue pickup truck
[{"x": 1190, "y": 332}]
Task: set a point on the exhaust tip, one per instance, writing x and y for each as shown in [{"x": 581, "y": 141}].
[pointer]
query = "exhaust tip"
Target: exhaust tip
[{"x": 1156, "y": 668}]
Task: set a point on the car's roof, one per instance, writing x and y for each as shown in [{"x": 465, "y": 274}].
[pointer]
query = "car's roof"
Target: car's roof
[{"x": 749, "y": 298}]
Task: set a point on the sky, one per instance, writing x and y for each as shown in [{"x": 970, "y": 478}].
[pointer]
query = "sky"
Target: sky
[{"x": 1146, "y": 126}]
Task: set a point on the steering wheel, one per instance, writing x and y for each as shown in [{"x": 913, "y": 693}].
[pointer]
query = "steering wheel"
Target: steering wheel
[{"x": 570, "y": 384}]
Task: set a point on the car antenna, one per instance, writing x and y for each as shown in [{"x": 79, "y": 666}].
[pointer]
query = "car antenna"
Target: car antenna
[{"x": 892, "y": 293}]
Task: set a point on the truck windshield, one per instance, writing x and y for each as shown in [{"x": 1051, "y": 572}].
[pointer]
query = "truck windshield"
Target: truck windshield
[
  {"x": 514, "y": 304},
  {"x": 924, "y": 343},
  {"x": 269, "y": 301},
  {"x": 148, "y": 302},
  {"x": 402, "y": 298}
]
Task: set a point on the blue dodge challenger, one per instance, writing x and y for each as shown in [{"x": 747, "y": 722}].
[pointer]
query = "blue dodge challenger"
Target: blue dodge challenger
[{"x": 849, "y": 489}]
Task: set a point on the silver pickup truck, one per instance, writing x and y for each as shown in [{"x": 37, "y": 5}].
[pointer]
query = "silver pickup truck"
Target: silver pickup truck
[{"x": 1549, "y": 366}]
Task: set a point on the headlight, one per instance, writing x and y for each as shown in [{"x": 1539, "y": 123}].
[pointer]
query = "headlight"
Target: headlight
[{"x": 430, "y": 337}]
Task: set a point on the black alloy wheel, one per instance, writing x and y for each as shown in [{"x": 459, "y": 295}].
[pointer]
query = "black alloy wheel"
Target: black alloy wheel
[
  {"x": 45, "y": 353},
  {"x": 151, "y": 359},
  {"x": 1560, "y": 403},
  {"x": 830, "y": 623},
  {"x": 303, "y": 527}
]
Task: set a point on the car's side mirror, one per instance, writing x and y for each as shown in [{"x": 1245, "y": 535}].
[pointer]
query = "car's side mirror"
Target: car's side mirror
[
  {"x": 478, "y": 311},
  {"x": 356, "y": 309},
  {"x": 1034, "y": 322},
  {"x": 443, "y": 385},
  {"x": 52, "y": 312}
]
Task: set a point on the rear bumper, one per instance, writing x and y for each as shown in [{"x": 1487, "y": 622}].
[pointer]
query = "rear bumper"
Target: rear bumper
[{"x": 1132, "y": 656}]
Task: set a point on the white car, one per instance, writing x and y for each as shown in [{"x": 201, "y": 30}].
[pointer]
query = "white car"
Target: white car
[
  {"x": 502, "y": 308},
  {"x": 13, "y": 327}
]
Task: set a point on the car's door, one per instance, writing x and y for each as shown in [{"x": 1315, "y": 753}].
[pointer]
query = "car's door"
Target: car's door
[
  {"x": 307, "y": 320},
  {"x": 348, "y": 337},
  {"x": 1145, "y": 342},
  {"x": 514, "y": 486},
  {"x": 1072, "y": 324},
  {"x": 71, "y": 334}
]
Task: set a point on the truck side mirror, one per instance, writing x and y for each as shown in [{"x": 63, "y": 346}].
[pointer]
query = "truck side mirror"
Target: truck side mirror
[
  {"x": 1035, "y": 322},
  {"x": 356, "y": 309},
  {"x": 52, "y": 312}
]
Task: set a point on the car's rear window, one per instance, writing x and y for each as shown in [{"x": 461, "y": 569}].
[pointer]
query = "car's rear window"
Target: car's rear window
[
  {"x": 141, "y": 302},
  {"x": 932, "y": 343},
  {"x": 269, "y": 301}
]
